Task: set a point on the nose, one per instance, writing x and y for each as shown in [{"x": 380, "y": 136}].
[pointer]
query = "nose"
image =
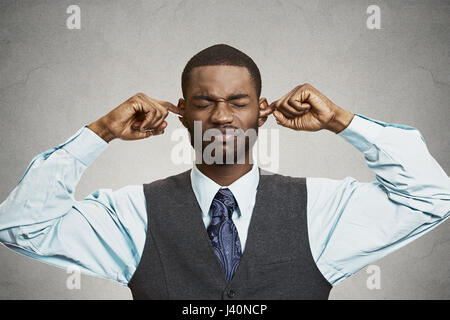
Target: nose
[{"x": 222, "y": 113}]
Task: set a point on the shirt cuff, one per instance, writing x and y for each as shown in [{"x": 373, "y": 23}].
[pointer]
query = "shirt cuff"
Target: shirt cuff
[
  {"x": 85, "y": 145},
  {"x": 362, "y": 132}
]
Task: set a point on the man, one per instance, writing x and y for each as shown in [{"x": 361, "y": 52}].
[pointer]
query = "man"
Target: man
[{"x": 226, "y": 229}]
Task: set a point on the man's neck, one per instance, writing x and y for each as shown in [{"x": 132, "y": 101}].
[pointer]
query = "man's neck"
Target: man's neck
[{"x": 224, "y": 174}]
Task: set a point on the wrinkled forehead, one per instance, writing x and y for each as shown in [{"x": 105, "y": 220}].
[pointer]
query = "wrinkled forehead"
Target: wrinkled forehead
[{"x": 220, "y": 81}]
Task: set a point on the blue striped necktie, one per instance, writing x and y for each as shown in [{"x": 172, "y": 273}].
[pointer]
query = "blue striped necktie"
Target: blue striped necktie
[{"x": 223, "y": 233}]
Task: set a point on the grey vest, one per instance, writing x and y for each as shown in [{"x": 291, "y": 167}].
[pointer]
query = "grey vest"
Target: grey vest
[{"x": 178, "y": 261}]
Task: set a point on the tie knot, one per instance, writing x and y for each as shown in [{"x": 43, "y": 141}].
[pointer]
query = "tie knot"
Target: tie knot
[{"x": 224, "y": 198}]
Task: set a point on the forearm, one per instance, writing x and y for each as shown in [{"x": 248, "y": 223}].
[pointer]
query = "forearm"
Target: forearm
[
  {"x": 402, "y": 164},
  {"x": 352, "y": 223},
  {"x": 41, "y": 218},
  {"x": 46, "y": 191}
]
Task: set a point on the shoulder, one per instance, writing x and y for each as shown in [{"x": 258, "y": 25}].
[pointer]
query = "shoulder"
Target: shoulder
[
  {"x": 169, "y": 182},
  {"x": 282, "y": 185},
  {"x": 279, "y": 178}
]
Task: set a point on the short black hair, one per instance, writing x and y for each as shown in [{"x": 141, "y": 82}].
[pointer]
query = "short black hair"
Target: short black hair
[{"x": 221, "y": 54}]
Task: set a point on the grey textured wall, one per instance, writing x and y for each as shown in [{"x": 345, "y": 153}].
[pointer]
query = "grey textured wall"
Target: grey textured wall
[{"x": 54, "y": 80}]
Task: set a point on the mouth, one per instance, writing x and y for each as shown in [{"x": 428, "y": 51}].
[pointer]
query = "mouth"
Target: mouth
[
  {"x": 224, "y": 137},
  {"x": 226, "y": 134}
]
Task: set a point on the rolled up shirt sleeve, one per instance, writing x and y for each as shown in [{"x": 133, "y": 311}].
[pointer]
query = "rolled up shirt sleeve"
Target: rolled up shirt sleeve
[
  {"x": 352, "y": 223},
  {"x": 102, "y": 234}
]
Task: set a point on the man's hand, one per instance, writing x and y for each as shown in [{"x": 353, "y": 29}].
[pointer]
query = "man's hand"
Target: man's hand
[
  {"x": 137, "y": 118},
  {"x": 305, "y": 108}
]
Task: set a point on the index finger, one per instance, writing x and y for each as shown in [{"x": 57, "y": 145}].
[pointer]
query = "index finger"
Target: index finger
[
  {"x": 276, "y": 104},
  {"x": 169, "y": 106},
  {"x": 272, "y": 105}
]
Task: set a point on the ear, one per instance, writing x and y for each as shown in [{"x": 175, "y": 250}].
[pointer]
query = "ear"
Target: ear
[
  {"x": 182, "y": 108},
  {"x": 264, "y": 111}
]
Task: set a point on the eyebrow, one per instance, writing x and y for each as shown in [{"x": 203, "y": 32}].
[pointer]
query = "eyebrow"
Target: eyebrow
[{"x": 231, "y": 97}]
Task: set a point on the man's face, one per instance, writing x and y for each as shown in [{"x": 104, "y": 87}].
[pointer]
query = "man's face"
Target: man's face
[{"x": 224, "y": 98}]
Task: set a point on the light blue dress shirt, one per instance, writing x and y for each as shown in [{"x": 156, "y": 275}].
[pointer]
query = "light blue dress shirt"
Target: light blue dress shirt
[{"x": 350, "y": 223}]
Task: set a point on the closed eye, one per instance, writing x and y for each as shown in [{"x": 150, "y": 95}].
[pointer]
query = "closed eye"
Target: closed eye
[
  {"x": 202, "y": 106},
  {"x": 240, "y": 104}
]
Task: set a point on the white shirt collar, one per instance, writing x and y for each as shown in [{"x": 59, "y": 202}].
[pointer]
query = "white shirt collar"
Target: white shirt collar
[{"x": 243, "y": 189}]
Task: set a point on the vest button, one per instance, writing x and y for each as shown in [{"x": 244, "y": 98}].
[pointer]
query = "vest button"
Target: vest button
[{"x": 231, "y": 294}]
